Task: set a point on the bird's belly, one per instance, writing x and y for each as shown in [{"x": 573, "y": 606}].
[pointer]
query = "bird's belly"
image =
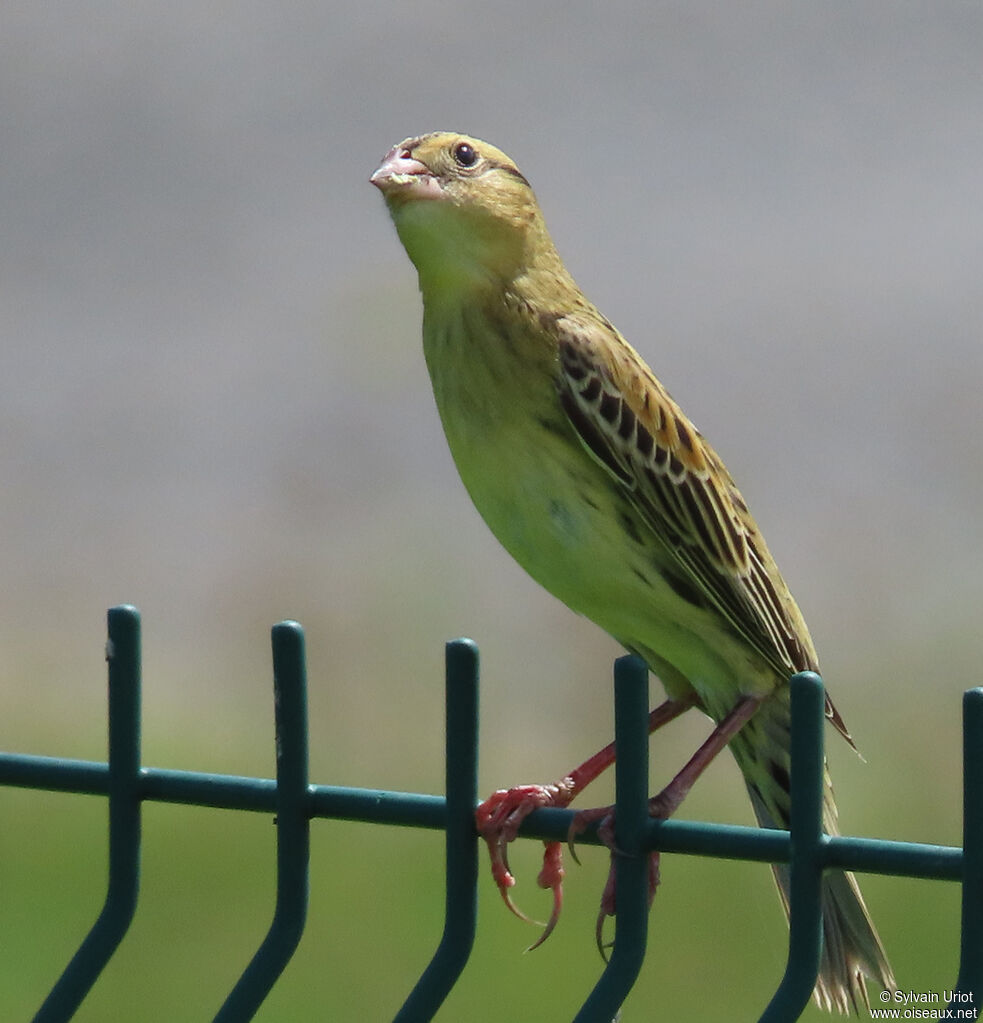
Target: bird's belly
[{"x": 573, "y": 529}]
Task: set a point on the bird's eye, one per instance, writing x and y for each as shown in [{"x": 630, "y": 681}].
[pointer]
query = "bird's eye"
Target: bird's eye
[{"x": 465, "y": 154}]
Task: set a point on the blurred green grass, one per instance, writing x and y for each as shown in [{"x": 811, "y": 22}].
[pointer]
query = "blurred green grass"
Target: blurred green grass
[{"x": 716, "y": 938}]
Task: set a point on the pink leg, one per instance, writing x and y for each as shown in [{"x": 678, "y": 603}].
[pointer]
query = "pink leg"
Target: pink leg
[
  {"x": 499, "y": 818},
  {"x": 665, "y": 804}
]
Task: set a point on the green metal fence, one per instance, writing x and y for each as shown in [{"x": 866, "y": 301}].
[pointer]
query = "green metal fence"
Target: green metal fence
[{"x": 295, "y": 802}]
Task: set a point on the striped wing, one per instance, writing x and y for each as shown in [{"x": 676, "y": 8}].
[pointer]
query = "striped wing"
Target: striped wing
[{"x": 628, "y": 421}]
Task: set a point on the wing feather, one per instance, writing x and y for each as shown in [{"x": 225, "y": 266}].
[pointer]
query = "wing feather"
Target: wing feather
[{"x": 628, "y": 421}]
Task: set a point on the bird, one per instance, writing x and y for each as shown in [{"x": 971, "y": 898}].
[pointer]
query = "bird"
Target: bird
[{"x": 594, "y": 480}]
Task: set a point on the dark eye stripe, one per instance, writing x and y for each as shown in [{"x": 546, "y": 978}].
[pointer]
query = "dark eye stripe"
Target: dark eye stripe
[{"x": 509, "y": 169}]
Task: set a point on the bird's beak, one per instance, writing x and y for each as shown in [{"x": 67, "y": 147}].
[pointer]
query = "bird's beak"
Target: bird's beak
[{"x": 400, "y": 173}]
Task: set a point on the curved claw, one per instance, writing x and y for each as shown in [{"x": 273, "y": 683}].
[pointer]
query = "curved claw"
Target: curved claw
[
  {"x": 602, "y": 946},
  {"x": 584, "y": 819},
  {"x": 514, "y": 909},
  {"x": 607, "y": 908},
  {"x": 576, "y": 827},
  {"x": 504, "y": 880},
  {"x": 551, "y": 876}
]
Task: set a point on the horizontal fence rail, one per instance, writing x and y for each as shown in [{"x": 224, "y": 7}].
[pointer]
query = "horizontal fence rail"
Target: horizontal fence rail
[{"x": 295, "y": 802}]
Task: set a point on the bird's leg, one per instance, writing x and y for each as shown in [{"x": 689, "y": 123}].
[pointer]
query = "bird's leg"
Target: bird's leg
[
  {"x": 665, "y": 804},
  {"x": 499, "y": 818}
]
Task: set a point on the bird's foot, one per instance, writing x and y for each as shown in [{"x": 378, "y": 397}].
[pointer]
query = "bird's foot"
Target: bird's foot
[
  {"x": 659, "y": 808},
  {"x": 608, "y": 906},
  {"x": 498, "y": 820}
]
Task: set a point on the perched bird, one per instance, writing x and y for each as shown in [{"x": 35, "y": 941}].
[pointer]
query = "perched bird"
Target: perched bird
[{"x": 594, "y": 480}]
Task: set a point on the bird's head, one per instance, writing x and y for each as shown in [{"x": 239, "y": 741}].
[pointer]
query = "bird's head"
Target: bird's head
[{"x": 465, "y": 214}]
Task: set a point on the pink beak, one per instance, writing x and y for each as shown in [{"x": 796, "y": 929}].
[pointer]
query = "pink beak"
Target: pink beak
[
  {"x": 399, "y": 171},
  {"x": 398, "y": 161}
]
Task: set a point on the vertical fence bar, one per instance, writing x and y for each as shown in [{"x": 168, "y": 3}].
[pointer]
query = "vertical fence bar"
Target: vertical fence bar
[
  {"x": 806, "y": 868},
  {"x": 631, "y": 860},
  {"x": 123, "y": 657},
  {"x": 461, "y": 787},
  {"x": 292, "y": 829},
  {"x": 969, "y": 986}
]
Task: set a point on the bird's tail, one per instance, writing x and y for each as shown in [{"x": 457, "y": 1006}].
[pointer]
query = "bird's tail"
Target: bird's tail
[{"x": 851, "y": 948}]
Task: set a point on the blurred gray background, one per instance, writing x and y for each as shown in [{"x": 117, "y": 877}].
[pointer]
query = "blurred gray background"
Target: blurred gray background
[{"x": 213, "y": 402}]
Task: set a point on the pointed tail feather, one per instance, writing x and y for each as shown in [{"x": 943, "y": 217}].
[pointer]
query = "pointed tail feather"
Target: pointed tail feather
[{"x": 851, "y": 948}]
